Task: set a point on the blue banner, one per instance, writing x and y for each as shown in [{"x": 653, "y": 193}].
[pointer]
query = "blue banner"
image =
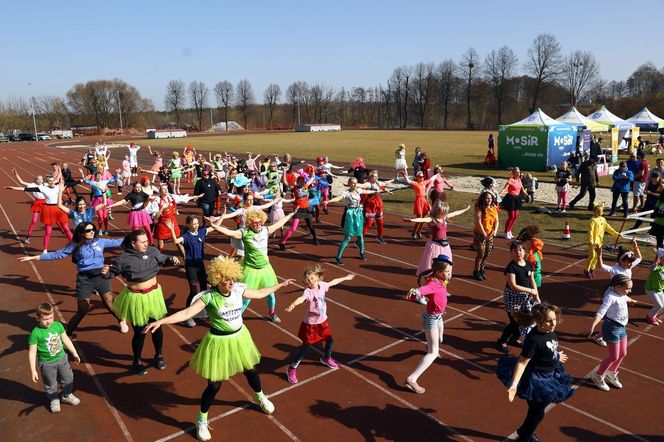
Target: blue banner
[{"x": 562, "y": 142}]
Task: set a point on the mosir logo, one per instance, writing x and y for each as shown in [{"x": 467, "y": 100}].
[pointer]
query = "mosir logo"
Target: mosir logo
[
  {"x": 526, "y": 140},
  {"x": 562, "y": 141}
]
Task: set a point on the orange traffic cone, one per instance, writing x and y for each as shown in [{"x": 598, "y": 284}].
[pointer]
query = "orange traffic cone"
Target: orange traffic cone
[{"x": 566, "y": 233}]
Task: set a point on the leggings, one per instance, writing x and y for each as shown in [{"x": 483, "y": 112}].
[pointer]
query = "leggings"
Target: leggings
[
  {"x": 658, "y": 301},
  {"x": 294, "y": 223},
  {"x": 49, "y": 229},
  {"x": 511, "y": 330},
  {"x": 213, "y": 387},
  {"x": 434, "y": 339},
  {"x": 617, "y": 352},
  {"x": 484, "y": 247},
  {"x": 344, "y": 243},
  {"x": 138, "y": 340},
  {"x": 83, "y": 306},
  {"x": 197, "y": 279},
  {"x": 562, "y": 199},
  {"x": 304, "y": 349},
  {"x": 512, "y": 215},
  {"x": 33, "y": 222},
  {"x": 535, "y": 415},
  {"x": 368, "y": 222}
]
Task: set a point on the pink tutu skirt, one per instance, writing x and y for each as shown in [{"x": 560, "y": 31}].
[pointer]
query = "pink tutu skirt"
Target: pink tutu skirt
[
  {"x": 103, "y": 213},
  {"x": 138, "y": 219},
  {"x": 431, "y": 251},
  {"x": 275, "y": 215}
]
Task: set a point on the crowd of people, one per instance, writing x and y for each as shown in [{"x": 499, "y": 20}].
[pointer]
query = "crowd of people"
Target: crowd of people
[{"x": 240, "y": 191}]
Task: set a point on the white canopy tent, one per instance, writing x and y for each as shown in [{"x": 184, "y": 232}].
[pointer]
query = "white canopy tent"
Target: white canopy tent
[{"x": 576, "y": 118}]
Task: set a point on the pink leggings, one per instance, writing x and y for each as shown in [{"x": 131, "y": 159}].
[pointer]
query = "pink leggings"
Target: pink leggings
[
  {"x": 49, "y": 228},
  {"x": 33, "y": 222},
  {"x": 562, "y": 199},
  {"x": 512, "y": 215},
  {"x": 617, "y": 353}
]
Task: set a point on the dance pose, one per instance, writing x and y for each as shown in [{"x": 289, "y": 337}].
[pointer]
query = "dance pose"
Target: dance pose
[
  {"x": 400, "y": 165},
  {"x": 158, "y": 159},
  {"x": 421, "y": 206},
  {"x": 87, "y": 252},
  {"x": 373, "y": 205},
  {"x": 485, "y": 229},
  {"x": 538, "y": 375},
  {"x": 514, "y": 190},
  {"x": 438, "y": 244},
  {"x": 533, "y": 247},
  {"x": 301, "y": 195},
  {"x": 81, "y": 212},
  {"x": 133, "y": 157},
  {"x": 175, "y": 168},
  {"x": 138, "y": 218},
  {"x": 597, "y": 225},
  {"x": 167, "y": 212},
  {"x": 227, "y": 348},
  {"x": 614, "y": 330},
  {"x": 125, "y": 174},
  {"x": 37, "y": 205},
  {"x": 238, "y": 214},
  {"x": 563, "y": 179},
  {"x": 258, "y": 272},
  {"x": 69, "y": 182},
  {"x": 435, "y": 292},
  {"x": 437, "y": 185},
  {"x": 100, "y": 189},
  {"x": 314, "y": 327},
  {"x": 655, "y": 288}
]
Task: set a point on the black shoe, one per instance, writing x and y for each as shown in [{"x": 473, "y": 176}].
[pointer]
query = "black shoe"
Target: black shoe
[
  {"x": 362, "y": 257},
  {"x": 502, "y": 347},
  {"x": 482, "y": 275},
  {"x": 381, "y": 240},
  {"x": 477, "y": 275},
  {"x": 338, "y": 261},
  {"x": 159, "y": 362},
  {"x": 282, "y": 246},
  {"x": 139, "y": 369},
  {"x": 534, "y": 438},
  {"x": 316, "y": 241}
]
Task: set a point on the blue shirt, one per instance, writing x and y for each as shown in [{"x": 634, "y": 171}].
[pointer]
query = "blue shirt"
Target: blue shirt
[
  {"x": 89, "y": 257},
  {"x": 193, "y": 246},
  {"x": 622, "y": 180},
  {"x": 78, "y": 218}
]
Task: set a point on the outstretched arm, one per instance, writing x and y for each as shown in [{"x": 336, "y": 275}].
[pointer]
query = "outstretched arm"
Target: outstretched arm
[
  {"x": 458, "y": 212},
  {"x": 279, "y": 224},
  {"x": 237, "y": 234},
  {"x": 336, "y": 281},
  {"x": 175, "y": 318}
]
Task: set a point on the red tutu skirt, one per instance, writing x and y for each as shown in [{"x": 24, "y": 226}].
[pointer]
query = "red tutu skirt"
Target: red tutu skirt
[
  {"x": 37, "y": 205},
  {"x": 421, "y": 207},
  {"x": 313, "y": 333},
  {"x": 162, "y": 231},
  {"x": 50, "y": 215},
  {"x": 138, "y": 219},
  {"x": 103, "y": 213},
  {"x": 373, "y": 206}
]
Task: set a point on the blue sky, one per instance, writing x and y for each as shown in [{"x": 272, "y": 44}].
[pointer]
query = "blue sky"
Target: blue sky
[{"x": 54, "y": 45}]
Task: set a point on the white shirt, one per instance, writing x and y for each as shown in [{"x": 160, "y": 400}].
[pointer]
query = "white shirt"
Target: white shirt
[{"x": 614, "y": 307}]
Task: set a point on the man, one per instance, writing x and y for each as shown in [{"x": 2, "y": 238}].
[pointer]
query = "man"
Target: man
[
  {"x": 588, "y": 179},
  {"x": 210, "y": 190},
  {"x": 640, "y": 181},
  {"x": 596, "y": 148},
  {"x": 660, "y": 167}
]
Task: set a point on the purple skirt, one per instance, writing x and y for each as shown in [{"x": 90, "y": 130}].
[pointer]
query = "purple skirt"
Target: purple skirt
[{"x": 138, "y": 219}]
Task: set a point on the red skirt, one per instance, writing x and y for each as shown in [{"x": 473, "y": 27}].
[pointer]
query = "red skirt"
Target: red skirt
[
  {"x": 37, "y": 205},
  {"x": 421, "y": 207},
  {"x": 52, "y": 215},
  {"x": 373, "y": 206},
  {"x": 162, "y": 231},
  {"x": 313, "y": 333}
]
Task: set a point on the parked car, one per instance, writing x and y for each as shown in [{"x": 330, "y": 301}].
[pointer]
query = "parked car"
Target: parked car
[
  {"x": 3, "y": 138},
  {"x": 27, "y": 137},
  {"x": 43, "y": 136},
  {"x": 13, "y": 137}
]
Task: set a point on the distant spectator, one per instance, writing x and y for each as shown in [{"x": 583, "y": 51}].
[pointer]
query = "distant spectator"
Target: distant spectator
[
  {"x": 588, "y": 179},
  {"x": 417, "y": 159},
  {"x": 622, "y": 179},
  {"x": 640, "y": 181}
]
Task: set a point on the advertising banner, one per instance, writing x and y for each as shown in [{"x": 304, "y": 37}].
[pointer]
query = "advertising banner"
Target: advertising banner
[
  {"x": 614, "y": 144},
  {"x": 586, "y": 138},
  {"x": 524, "y": 146},
  {"x": 636, "y": 132},
  {"x": 562, "y": 142}
]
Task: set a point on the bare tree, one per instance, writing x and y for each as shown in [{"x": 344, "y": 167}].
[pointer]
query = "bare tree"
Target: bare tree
[
  {"x": 645, "y": 80},
  {"x": 54, "y": 110},
  {"x": 400, "y": 86},
  {"x": 298, "y": 94},
  {"x": 272, "y": 96},
  {"x": 198, "y": 92},
  {"x": 224, "y": 92},
  {"x": 448, "y": 81},
  {"x": 579, "y": 71},
  {"x": 499, "y": 69},
  {"x": 175, "y": 98},
  {"x": 422, "y": 84},
  {"x": 244, "y": 98},
  {"x": 544, "y": 59},
  {"x": 468, "y": 67}
]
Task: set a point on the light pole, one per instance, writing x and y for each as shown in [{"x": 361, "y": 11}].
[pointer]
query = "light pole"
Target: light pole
[
  {"x": 120, "y": 112},
  {"x": 299, "y": 98},
  {"x": 470, "y": 77},
  {"x": 32, "y": 105},
  {"x": 575, "y": 81}
]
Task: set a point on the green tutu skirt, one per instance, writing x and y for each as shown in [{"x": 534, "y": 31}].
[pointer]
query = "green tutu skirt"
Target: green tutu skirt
[
  {"x": 138, "y": 308},
  {"x": 217, "y": 358},
  {"x": 354, "y": 221},
  {"x": 257, "y": 279}
]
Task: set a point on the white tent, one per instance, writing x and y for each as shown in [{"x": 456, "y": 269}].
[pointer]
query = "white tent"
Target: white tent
[
  {"x": 537, "y": 118},
  {"x": 575, "y": 118},
  {"x": 646, "y": 120},
  {"x": 602, "y": 115}
]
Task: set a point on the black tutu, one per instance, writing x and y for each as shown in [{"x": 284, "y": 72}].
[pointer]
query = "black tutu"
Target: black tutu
[
  {"x": 511, "y": 202},
  {"x": 539, "y": 386},
  {"x": 303, "y": 214}
]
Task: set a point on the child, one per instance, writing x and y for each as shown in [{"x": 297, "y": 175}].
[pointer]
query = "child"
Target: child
[
  {"x": 435, "y": 291},
  {"x": 530, "y": 184},
  {"x": 47, "y": 354},
  {"x": 485, "y": 227},
  {"x": 314, "y": 327},
  {"x": 533, "y": 246},
  {"x": 655, "y": 288},
  {"x": 538, "y": 375},
  {"x": 614, "y": 330},
  {"x": 596, "y": 228}
]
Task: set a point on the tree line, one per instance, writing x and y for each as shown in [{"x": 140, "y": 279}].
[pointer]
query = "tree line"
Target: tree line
[{"x": 472, "y": 92}]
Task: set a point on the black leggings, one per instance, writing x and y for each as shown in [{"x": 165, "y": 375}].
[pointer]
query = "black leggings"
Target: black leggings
[
  {"x": 511, "y": 331},
  {"x": 213, "y": 388},
  {"x": 197, "y": 279},
  {"x": 304, "y": 349},
  {"x": 138, "y": 340},
  {"x": 533, "y": 419}
]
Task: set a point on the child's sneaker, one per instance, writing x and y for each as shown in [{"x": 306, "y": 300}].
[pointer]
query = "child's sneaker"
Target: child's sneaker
[
  {"x": 124, "y": 328},
  {"x": 266, "y": 405},
  {"x": 612, "y": 379},
  {"x": 70, "y": 399},
  {"x": 203, "y": 430},
  {"x": 329, "y": 362},
  {"x": 138, "y": 369},
  {"x": 55, "y": 406},
  {"x": 652, "y": 320},
  {"x": 274, "y": 318},
  {"x": 190, "y": 322},
  {"x": 599, "y": 381},
  {"x": 599, "y": 340},
  {"x": 291, "y": 375}
]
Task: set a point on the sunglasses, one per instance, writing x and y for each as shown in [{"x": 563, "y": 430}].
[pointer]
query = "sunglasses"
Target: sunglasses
[{"x": 92, "y": 229}]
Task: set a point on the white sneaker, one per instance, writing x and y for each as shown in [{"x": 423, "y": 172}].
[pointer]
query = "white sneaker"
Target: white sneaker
[
  {"x": 612, "y": 378},
  {"x": 599, "y": 381},
  {"x": 70, "y": 399},
  {"x": 508, "y": 235},
  {"x": 55, "y": 406},
  {"x": 266, "y": 405},
  {"x": 599, "y": 341},
  {"x": 202, "y": 430},
  {"x": 422, "y": 300},
  {"x": 190, "y": 322}
]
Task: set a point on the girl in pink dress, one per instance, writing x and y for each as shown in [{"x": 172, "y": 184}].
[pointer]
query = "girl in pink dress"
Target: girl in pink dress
[
  {"x": 158, "y": 160},
  {"x": 421, "y": 207},
  {"x": 437, "y": 185},
  {"x": 512, "y": 200}
]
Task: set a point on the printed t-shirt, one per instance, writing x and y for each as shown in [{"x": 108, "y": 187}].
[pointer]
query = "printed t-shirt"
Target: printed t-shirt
[
  {"x": 317, "y": 312},
  {"x": 48, "y": 341},
  {"x": 542, "y": 350},
  {"x": 255, "y": 248},
  {"x": 225, "y": 312}
]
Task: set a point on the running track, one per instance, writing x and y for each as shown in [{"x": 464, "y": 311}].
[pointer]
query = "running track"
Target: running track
[{"x": 378, "y": 341}]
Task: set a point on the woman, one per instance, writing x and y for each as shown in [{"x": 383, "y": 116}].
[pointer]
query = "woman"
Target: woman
[
  {"x": 400, "y": 165},
  {"x": 87, "y": 252},
  {"x": 158, "y": 159},
  {"x": 37, "y": 205},
  {"x": 353, "y": 217},
  {"x": 258, "y": 272},
  {"x": 622, "y": 181},
  {"x": 359, "y": 170},
  {"x": 69, "y": 182},
  {"x": 373, "y": 205},
  {"x": 167, "y": 204},
  {"x": 301, "y": 195},
  {"x": 426, "y": 165},
  {"x": 563, "y": 178},
  {"x": 138, "y": 218},
  {"x": 485, "y": 230},
  {"x": 421, "y": 206},
  {"x": 513, "y": 189},
  {"x": 81, "y": 211},
  {"x": 142, "y": 300},
  {"x": 228, "y": 347}
]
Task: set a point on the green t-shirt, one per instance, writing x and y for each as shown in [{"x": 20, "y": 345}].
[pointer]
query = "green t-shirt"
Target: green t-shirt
[
  {"x": 255, "y": 248},
  {"x": 655, "y": 281},
  {"x": 48, "y": 341},
  {"x": 225, "y": 312}
]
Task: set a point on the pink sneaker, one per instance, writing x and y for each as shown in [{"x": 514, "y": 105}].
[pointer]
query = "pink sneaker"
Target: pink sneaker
[
  {"x": 124, "y": 328},
  {"x": 652, "y": 320},
  {"x": 291, "y": 375},
  {"x": 329, "y": 362}
]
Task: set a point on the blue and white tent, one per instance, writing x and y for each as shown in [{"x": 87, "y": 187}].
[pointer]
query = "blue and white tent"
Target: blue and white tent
[
  {"x": 646, "y": 120},
  {"x": 602, "y": 115}
]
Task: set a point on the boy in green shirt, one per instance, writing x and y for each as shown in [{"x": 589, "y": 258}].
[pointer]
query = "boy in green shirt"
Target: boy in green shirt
[{"x": 46, "y": 352}]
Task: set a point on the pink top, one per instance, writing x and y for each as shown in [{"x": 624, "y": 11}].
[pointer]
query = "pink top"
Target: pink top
[
  {"x": 439, "y": 182},
  {"x": 514, "y": 186},
  {"x": 436, "y": 293},
  {"x": 317, "y": 312},
  {"x": 438, "y": 230}
]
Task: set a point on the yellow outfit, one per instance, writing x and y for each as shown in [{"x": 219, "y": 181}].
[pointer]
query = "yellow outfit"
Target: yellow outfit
[{"x": 597, "y": 226}]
